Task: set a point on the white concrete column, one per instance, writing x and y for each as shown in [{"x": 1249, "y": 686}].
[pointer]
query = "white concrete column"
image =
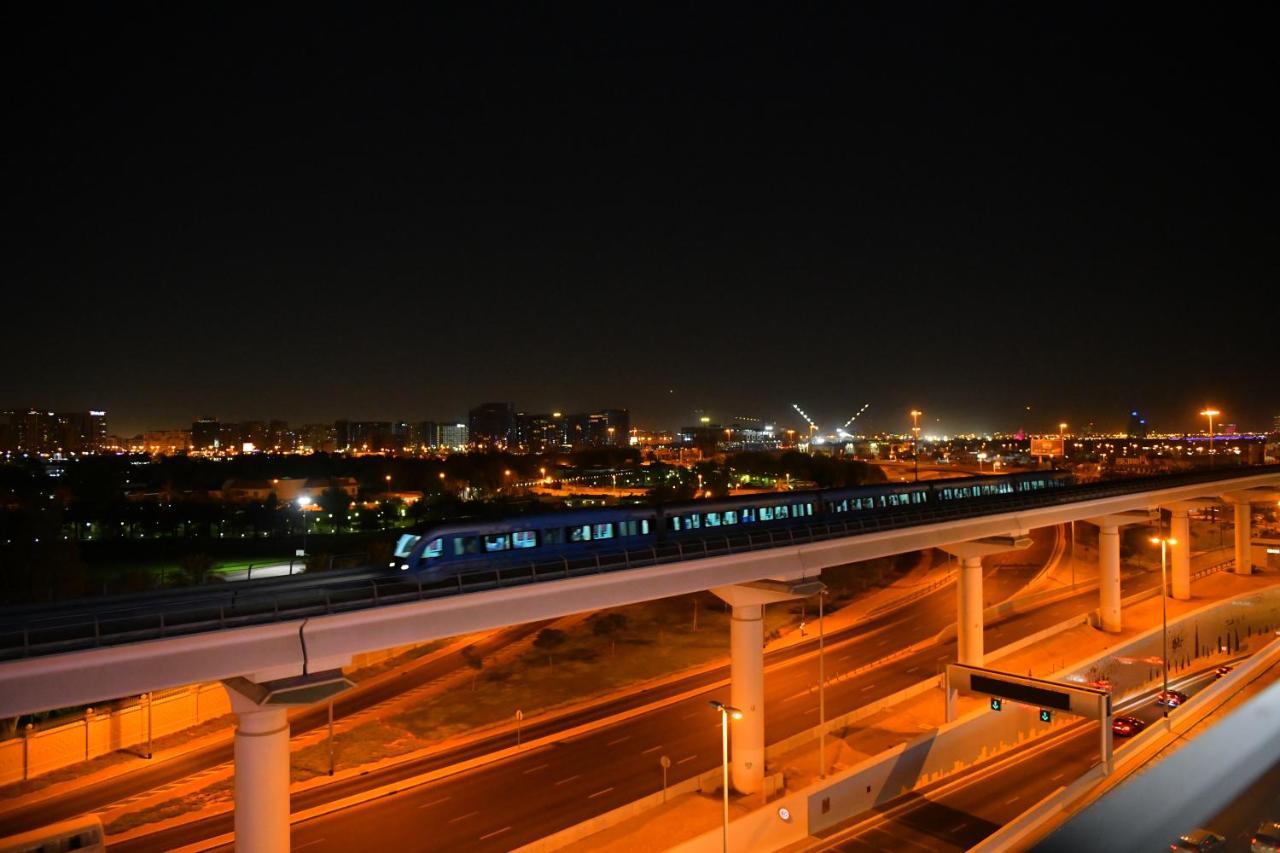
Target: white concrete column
[
  {"x": 746, "y": 693},
  {"x": 1244, "y": 538},
  {"x": 969, "y": 612},
  {"x": 262, "y": 780},
  {"x": 1180, "y": 530},
  {"x": 1109, "y": 577}
]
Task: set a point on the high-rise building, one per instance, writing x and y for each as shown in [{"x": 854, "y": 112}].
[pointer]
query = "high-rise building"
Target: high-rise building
[
  {"x": 541, "y": 433},
  {"x": 206, "y": 433},
  {"x": 1137, "y": 425},
  {"x": 453, "y": 436},
  {"x": 35, "y": 431},
  {"x": 493, "y": 425}
]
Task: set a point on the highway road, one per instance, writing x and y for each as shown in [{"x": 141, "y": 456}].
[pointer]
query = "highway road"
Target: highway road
[
  {"x": 961, "y": 811},
  {"x": 517, "y": 800}
]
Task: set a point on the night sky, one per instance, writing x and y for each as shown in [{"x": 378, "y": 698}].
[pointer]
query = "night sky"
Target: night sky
[{"x": 965, "y": 208}]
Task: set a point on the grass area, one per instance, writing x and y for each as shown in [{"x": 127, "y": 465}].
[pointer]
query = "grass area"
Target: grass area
[
  {"x": 102, "y": 762},
  {"x": 216, "y": 793}
]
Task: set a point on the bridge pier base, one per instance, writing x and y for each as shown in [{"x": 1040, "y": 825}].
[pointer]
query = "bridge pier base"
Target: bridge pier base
[
  {"x": 1109, "y": 618},
  {"x": 969, "y": 607},
  {"x": 1180, "y": 530},
  {"x": 1244, "y": 537},
  {"x": 261, "y": 777},
  {"x": 746, "y": 672}
]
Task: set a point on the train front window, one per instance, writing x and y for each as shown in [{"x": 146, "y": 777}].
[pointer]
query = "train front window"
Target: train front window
[{"x": 524, "y": 539}]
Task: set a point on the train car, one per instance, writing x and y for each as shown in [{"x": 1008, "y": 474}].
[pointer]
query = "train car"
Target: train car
[{"x": 461, "y": 546}]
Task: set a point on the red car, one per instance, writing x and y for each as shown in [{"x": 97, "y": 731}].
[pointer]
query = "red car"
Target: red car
[
  {"x": 1172, "y": 698},
  {"x": 1223, "y": 670},
  {"x": 1126, "y": 726}
]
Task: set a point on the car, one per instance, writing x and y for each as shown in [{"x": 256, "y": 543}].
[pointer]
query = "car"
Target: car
[
  {"x": 1199, "y": 839},
  {"x": 1225, "y": 669},
  {"x": 1100, "y": 684},
  {"x": 1266, "y": 839},
  {"x": 1125, "y": 726},
  {"x": 1172, "y": 698}
]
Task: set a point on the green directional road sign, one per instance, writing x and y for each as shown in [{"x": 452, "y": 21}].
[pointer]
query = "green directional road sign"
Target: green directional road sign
[
  {"x": 1045, "y": 715},
  {"x": 996, "y": 703}
]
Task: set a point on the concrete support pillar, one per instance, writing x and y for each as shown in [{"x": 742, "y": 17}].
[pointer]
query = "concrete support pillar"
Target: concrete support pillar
[
  {"x": 262, "y": 780},
  {"x": 1180, "y": 529},
  {"x": 1109, "y": 577},
  {"x": 1244, "y": 538},
  {"x": 969, "y": 612},
  {"x": 746, "y": 693}
]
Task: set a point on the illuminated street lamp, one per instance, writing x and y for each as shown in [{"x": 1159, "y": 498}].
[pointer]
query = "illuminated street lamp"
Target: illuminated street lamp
[
  {"x": 1211, "y": 413},
  {"x": 727, "y": 712},
  {"x": 1164, "y": 542},
  {"x": 915, "y": 429},
  {"x": 303, "y": 502}
]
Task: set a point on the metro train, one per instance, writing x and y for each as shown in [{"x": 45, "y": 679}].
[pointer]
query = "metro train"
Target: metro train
[{"x": 455, "y": 547}]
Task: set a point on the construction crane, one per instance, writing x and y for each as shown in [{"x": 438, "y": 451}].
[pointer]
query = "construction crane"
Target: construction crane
[
  {"x": 865, "y": 406},
  {"x": 813, "y": 428}
]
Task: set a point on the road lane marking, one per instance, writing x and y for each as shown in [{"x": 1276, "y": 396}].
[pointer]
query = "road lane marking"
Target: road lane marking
[
  {"x": 599, "y": 793},
  {"x": 1012, "y": 800},
  {"x": 652, "y": 749},
  {"x": 495, "y": 832},
  {"x": 868, "y": 687},
  {"x": 913, "y": 669},
  {"x": 797, "y": 696},
  {"x": 570, "y": 779},
  {"x": 309, "y": 844},
  {"x": 463, "y": 817},
  {"x": 846, "y": 657},
  {"x": 687, "y": 716},
  {"x": 683, "y": 760},
  {"x": 1059, "y": 776},
  {"x": 619, "y": 740},
  {"x": 959, "y": 826},
  {"x": 536, "y": 769},
  {"x": 434, "y": 803}
]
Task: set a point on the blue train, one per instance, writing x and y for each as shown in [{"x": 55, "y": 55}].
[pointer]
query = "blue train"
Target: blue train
[{"x": 454, "y": 547}]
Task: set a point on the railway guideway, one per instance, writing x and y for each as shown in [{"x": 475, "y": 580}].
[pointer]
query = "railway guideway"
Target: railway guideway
[{"x": 1049, "y": 696}]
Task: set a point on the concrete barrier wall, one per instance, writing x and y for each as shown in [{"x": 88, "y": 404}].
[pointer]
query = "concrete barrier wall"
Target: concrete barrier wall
[{"x": 38, "y": 751}]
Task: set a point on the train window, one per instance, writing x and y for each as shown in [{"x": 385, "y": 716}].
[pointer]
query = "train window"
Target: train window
[
  {"x": 581, "y": 533},
  {"x": 524, "y": 539},
  {"x": 674, "y": 522},
  {"x": 602, "y": 531},
  {"x": 748, "y": 515},
  {"x": 497, "y": 542},
  {"x": 434, "y": 548},
  {"x": 644, "y": 526},
  {"x": 917, "y": 497},
  {"x": 463, "y": 545},
  {"x": 692, "y": 522},
  {"x": 838, "y": 506},
  {"x": 731, "y": 516},
  {"x": 766, "y": 513},
  {"x": 712, "y": 519},
  {"x": 782, "y": 512},
  {"x": 552, "y": 536}
]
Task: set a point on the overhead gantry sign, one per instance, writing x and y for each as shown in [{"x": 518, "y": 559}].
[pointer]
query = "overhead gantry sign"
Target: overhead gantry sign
[{"x": 1049, "y": 696}]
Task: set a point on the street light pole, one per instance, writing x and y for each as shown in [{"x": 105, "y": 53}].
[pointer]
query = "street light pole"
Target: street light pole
[
  {"x": 1211, "y": 413},
  {"x": 822, "y": 695},
  {"x": 726, "y": 711},
  {"x": 915, "y": 429},
  {"x": 303, "y": 503},
  {"x": 1164, "y": 541}
]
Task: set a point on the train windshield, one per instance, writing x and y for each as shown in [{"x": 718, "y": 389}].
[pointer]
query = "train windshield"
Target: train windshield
[{"x": 405, "y": 544}]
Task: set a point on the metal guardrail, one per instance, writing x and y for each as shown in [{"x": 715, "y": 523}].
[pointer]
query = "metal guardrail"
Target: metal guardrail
[{"x": 33, "y": 633}]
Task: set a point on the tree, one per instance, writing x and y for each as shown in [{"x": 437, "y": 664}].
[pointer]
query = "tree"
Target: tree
[
  {"x": 335, "y": 503},
  {"x": 194, "y": 568},
  {"x": 609, "y": 625},
  {"x": 548, "y": 640}
]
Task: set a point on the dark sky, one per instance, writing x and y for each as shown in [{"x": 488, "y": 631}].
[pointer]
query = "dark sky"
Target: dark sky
[{"x": 961, "y": 207}]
